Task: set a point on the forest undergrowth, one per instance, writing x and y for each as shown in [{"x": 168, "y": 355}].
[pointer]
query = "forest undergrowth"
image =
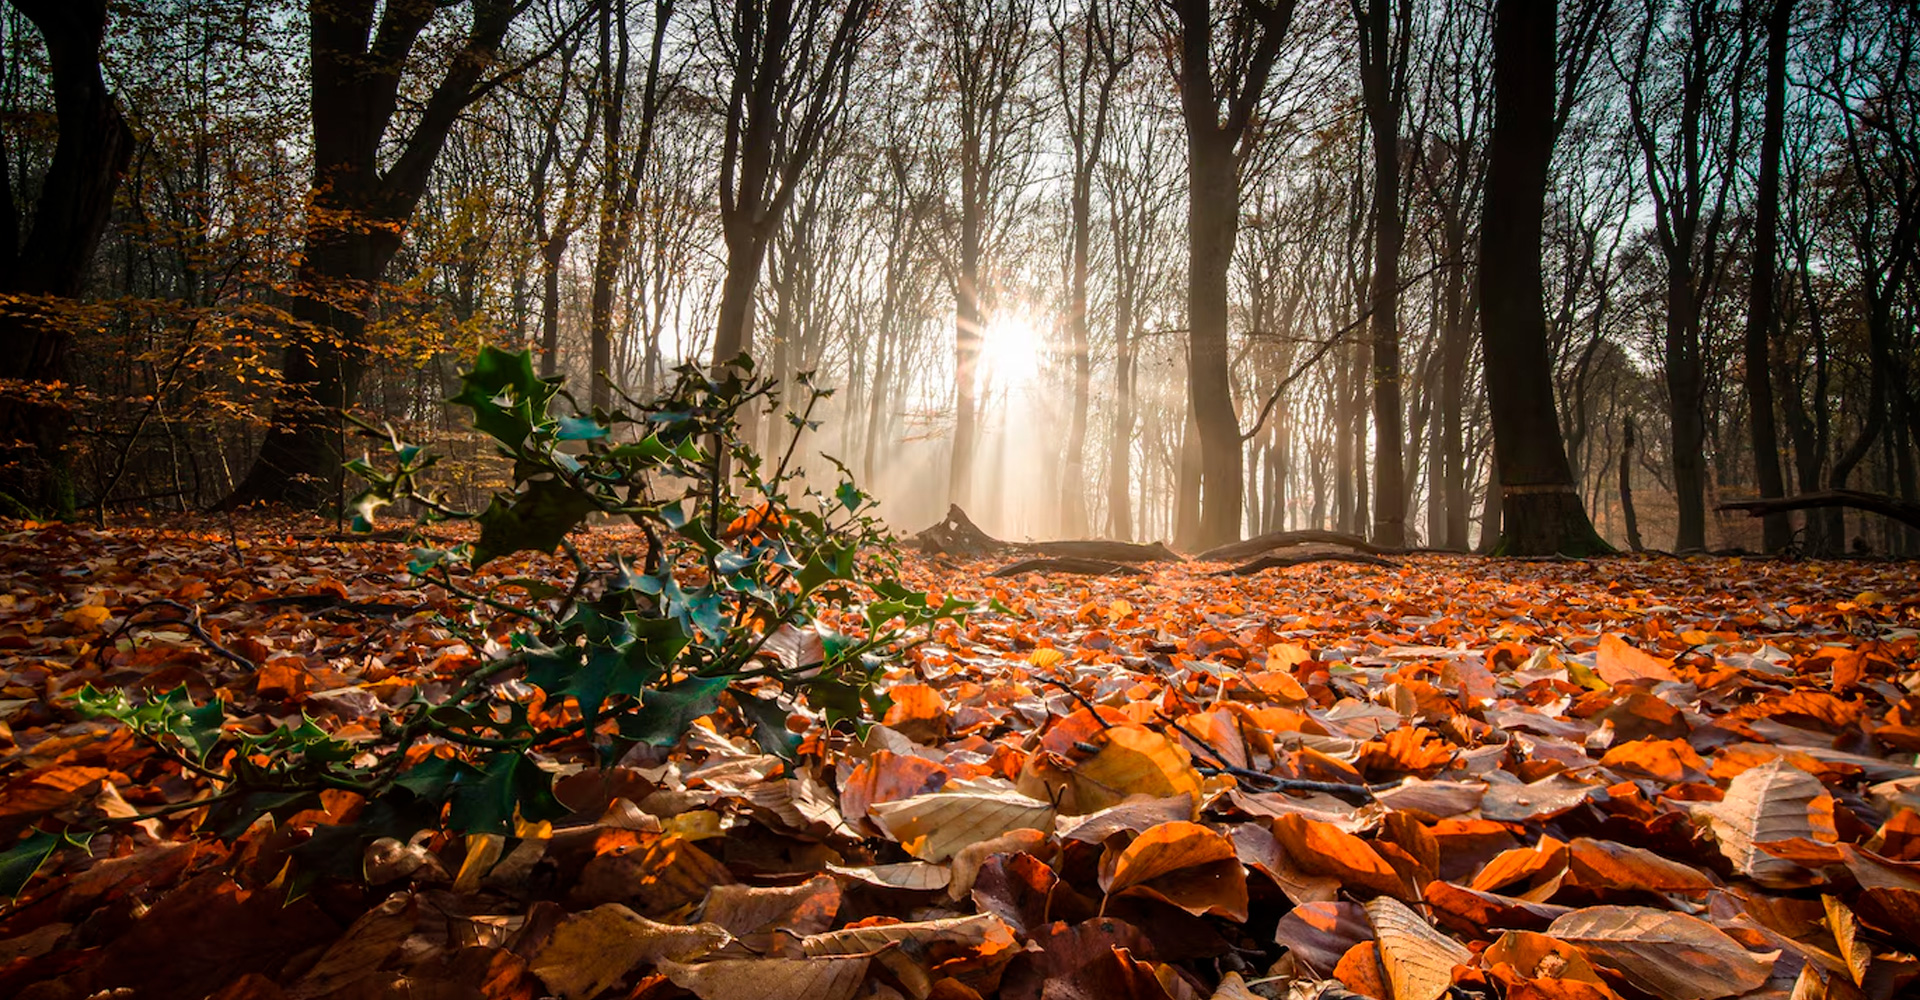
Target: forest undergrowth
[{"x": 1623, "y": 777}]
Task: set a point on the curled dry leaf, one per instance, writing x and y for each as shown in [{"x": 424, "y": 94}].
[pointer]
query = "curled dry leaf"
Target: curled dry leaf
[
  {"x": 752, "y": 913},
  {"x": 934, "y": 827},
  {"x": 1771, "y": 802},
  {"x": 771, "y": 978},
  {"x": 590, "y": 951},
  {"x": 1602, "y": 865},
  {"x": 1324, "y": 849},
  {"x": 1417, "y": 959},
  {"x": 365, "y": 946},
  {"x": 1185, "y": 864},
  {"x": 967, "y": 862},
  {"x": 913, "y": 876},
  {"x": 1669, "y": 955},
  {"x": 1318, "y": 934},
  {"x": 1539, "y": 956}
]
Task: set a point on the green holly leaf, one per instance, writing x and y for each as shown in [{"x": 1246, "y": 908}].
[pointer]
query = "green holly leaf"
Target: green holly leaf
[
  {"x": 769, "y": 725},
  {"x": 665, "y": 713},
  {"x": 19, "y": 863},
  {"x": 537, "y": 518}
]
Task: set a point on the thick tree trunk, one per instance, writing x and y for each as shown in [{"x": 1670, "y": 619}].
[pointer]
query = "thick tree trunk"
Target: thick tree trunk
[
  {"x": 75, "y": 201},
  {"x": 1073, "y": 480},
  {"x": 1763, "y": 320},
  {"x": 1540, "y": 510},
  {"x": 358, "y": 212},
  {"x": 1213, "y": 217}
]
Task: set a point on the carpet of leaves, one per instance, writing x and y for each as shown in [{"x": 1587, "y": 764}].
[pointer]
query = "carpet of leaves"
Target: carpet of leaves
[{"x": 1620, "y": 778}]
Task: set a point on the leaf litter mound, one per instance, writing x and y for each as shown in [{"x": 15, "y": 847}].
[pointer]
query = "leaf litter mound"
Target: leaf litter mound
[{"x": 1620, "y": 778}]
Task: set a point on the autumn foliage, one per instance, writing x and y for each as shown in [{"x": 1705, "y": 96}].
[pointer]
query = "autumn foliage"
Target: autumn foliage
[{"x": 1622, "y": 778}]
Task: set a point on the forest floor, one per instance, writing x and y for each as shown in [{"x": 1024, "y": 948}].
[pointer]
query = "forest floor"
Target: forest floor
[{"x": 1623, "y": 777}]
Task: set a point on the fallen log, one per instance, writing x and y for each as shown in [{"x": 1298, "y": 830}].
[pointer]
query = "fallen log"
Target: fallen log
[
  {"x": 1905, "y": 511},
  {"x": 1278, "y": 560},
  {"x": 1070, "y": 564},
  {"x": 957, "y": 535},
  {"x": 1260, "y": 544},
  {"x": 1103, "y": 549}
]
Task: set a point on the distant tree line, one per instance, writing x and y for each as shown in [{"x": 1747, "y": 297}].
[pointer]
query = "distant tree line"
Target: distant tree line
[{"x": 1537, "y": 276}]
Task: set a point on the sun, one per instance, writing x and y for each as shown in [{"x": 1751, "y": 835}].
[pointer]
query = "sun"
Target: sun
[{"x": 1010, "y": 349}]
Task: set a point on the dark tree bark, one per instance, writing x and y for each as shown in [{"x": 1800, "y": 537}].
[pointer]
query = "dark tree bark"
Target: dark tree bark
[
  {"x": 1385, "y": 34},
  {"x": 790, "y": 63},
  {"x": 1627, "y": 513},
  {"x": 1540, "y": 509},
  {"x": 359, "y": 49},
  {"x": 69, "y": 217},
  {"x": 1216, "y": 146},
  {"x": 1763, "y": 317},
  {"x": 1690, "y": 181}
]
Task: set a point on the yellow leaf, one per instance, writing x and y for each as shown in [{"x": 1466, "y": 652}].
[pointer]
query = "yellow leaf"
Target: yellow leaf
[
  {"x": 1133, "y": 761},
  {"x": 1042, "y": 659},
  {"x": 590, "y": 951},
  {"x": 90, "y": 617}
]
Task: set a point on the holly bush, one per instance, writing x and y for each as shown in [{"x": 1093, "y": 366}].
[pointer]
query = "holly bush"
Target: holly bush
[{"x": 743, "y": 578}]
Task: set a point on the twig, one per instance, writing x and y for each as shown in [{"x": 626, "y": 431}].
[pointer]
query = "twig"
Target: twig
[{"x": 191, "y": 620}]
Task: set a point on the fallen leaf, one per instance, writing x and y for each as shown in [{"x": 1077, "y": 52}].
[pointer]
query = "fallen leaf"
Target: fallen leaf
[
  {"x": 1185, "y": 864},
  {"x": 1774, "y": 801},
  {"x": 590, "y": 951},
  {"x": 1418, "y": 960},
  {"x": 771, "y": 978},
  {"x": 934, "y": 827},
  {"x": 1670, "y": 955}
]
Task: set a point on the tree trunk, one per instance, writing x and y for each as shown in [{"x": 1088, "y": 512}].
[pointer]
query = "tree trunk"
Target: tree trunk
[
  {"x": 1379, "y": 70},
  {"x": 1213, "y": 216},
  {"x": 1686, "y": 385},
  {"x": 1120, "y": 442},
  {"x": 1540, "y": 510},
  {"x": 358, "y": 212},
  {"x": 71, "y": 213},
  {"x": 1763, "y": 318},
  {"x": 1626, "y": 487}
]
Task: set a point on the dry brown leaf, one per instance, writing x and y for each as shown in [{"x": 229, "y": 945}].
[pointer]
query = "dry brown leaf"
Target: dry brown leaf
[
  {"x": 1232, "y": 987},
  {"x": 752, "y": 913},
  {"x": 1417, "y": 959},
  {"x": 1670, "y": 955},
  {"x": 981, "y": 931},
  {"x": 967, "y": 862},
  {"x": 1185, "y": 864},
  {"x": 1774, "y": 801},
  {"x": 1359, "y": 971},
  {"x": 1846, "y": 934},
  {"x": 1540, "y": 956},
  {"x": 935, "y": 827},
  {"x": 771, "y": 978},
  {"x": 1258, "y": 849},
  {"x": 1602, "y": 865},
  {"x": 913, "y": 876},
  {"x": 590, "y": 951},
  {"x": 366, "y": 945},
  {"x": 1318, "y": 934},
  {"x": 1323, "y": 849}
]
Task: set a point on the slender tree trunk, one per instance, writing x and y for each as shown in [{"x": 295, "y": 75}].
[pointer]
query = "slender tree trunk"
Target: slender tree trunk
[
  {"x": 1379, "y": 86},
  {"x": 1626, "y": 487},
  {"x": 1213, "y": 215},
  {"x": 1120, "y": 441},
  {"x": 1763, "y": 318},
  {"x": 1686, "y": 390}
]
